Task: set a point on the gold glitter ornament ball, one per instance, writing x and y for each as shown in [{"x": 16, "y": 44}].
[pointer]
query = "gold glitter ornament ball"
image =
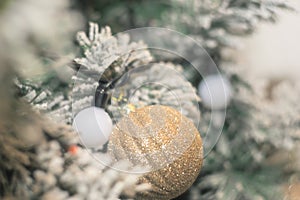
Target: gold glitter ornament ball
[{"x": 159, "y": 137}]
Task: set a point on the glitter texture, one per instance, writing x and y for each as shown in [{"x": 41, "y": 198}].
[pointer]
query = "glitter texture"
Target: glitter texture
[{"x": 159, "y": 137}]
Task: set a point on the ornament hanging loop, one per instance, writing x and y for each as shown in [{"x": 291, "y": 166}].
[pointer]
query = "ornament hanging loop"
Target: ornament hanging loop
[{"x": 102, "y": 95}]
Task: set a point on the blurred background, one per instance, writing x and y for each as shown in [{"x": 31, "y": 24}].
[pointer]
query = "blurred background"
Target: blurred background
[{"x": 254, "y": 43}]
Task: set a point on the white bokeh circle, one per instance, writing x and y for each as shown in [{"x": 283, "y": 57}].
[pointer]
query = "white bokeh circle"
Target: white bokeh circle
[{"x": 182, "y": 46}]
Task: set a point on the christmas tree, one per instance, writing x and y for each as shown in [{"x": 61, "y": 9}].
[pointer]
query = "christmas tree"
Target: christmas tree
[{"x": 54, "y": 63}]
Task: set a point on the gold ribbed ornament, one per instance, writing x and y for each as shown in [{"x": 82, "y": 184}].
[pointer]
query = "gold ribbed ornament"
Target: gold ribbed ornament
[{"x": 159, "y": 137}]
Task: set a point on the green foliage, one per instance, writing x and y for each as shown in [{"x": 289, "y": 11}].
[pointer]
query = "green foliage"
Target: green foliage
[{"x": 124, "y": 14}]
